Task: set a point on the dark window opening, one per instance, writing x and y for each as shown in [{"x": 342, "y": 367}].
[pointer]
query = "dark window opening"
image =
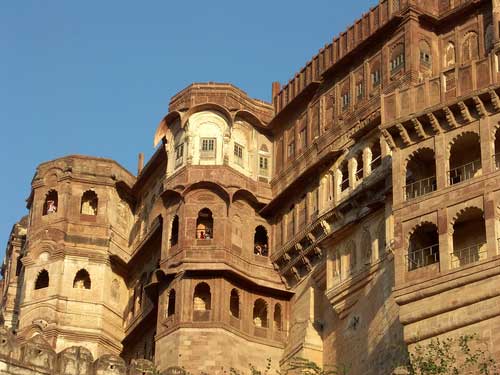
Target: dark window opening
[
  {"x": 174, "y": 233},
  {"x": 261, "y": 241},
  {"x": 204, "y": 225},
  {"x": 82, "y": 280},
  {"x": 51, "y": 203},
  {"x": 42, "y": 280},
  {"x": 234, "y": 304},
  {"x": 89, "y": 203}
]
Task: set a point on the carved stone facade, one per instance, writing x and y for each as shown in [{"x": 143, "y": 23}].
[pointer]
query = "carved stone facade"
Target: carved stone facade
[{"x": 356, "y": 215}]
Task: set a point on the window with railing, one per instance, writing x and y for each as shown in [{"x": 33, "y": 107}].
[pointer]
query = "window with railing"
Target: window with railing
[
  {"x": 469, "y": 237},
  {"x": 208, "y": 147},
  {"x": 376, "y": 159},
  {"x": 344, "y": 176},
  {"x": 423, "y": 249},
  {"x": 420, "y": 174},
  {"x": 465, "y": 158}
]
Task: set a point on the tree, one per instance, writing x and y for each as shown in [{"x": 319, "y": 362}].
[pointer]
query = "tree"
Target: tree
[{"x": 451, "y": 356}]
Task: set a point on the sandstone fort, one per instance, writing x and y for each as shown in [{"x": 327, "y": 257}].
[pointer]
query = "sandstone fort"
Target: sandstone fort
[{"x": 356, "y": 215}]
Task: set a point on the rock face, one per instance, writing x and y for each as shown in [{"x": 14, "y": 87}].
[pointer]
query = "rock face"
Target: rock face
[{"x": 354, "y": 216}]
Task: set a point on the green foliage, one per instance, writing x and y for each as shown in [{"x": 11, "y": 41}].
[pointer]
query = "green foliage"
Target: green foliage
[
  {"x": 451, "y": 357},
  {"x": 307, "y": 367}
]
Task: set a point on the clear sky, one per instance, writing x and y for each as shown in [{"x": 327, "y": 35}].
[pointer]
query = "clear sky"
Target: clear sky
[{"x": 95, "y": 77}]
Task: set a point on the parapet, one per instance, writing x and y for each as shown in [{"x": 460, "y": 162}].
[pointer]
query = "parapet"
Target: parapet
[{"x": 36, "y": 356}]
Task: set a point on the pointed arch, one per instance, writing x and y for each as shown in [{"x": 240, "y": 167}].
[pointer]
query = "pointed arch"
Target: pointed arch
[
  {"x": 42, "y": 280},
  {"x": 82, "y": 280},
  {"x": 89, "y": 203}
]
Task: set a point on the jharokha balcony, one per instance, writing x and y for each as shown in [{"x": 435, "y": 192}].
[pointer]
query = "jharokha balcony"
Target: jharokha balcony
[{"x": 422, "y": 257}]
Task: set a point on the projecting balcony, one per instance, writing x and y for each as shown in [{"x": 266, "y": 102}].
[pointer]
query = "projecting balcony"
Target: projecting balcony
[
  {"x": 468, "y": 255},
  {"x": 420, "y": 187},
  {"x": 464, "y": 172},
  {"x": 422, "y": 257}
]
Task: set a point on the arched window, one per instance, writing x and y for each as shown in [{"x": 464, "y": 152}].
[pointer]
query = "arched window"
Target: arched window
[
  {"x": 234, "y": 304},
  {"x": 89, "y": 203},
  {"x": 449, "y": 55},
  {"x": 345, "y": 95},
  {"x": 42, "y": 280},
  {"x": 397, "y": 58},
  {"x": 497, "y": 149},
  {"x": 204, "y": 225},
  {"x": 171, "y": 303},
  {"x": 376, "y": 151},
  {"x": 278, "y": 319},
  {"x": 174, "y": 231},
  {"x": 344, "y": 176},
  {"x": 423, "y": 249},
  {"x": 81, "y": 280},
  {"x": 465, "y": 158},
  {"x": 51, "y": 203},
  {"x": 425, "y": 54},
  {"x": 469, "y": 237},
  {"x": 420, "y": 174},
  {"x": 470, "y": 47},
  {"x": 376, "y": 74},
  {"x": 359, "y": 166},
  {"x": 366, "y": 246},
  {"x": 202, "y": 299},
  {"x": 261, "y": 241},
  {"x": 260, "y": 313}
]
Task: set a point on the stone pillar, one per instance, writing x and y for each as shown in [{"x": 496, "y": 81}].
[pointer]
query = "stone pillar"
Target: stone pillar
[
  {"x": 487, "y": 145},
  {"x": 490, "y": 224},
  {"x": 445, "y": 247},
  {"x": 440, "y": 154}
]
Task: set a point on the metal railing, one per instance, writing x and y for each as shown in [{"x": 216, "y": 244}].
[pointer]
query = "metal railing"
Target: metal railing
[
  {"x": 464, "y": 172},
  {"x": 359, "y": 174},
  {"x": 376, "y": 162},
  {"x": 344, "y": 185},
  {"x": 422, "y": 257},
  {"x": 420, "y": 187},
  {"x": 468, "y": 255}
]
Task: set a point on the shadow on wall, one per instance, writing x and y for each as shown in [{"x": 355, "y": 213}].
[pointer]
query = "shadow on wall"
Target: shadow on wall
[{"x": 372, "y": 328}]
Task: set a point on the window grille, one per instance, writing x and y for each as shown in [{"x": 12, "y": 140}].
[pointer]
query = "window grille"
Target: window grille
[
  {"x": 264, "y": 165},
  {"x": 208, "y": 147},
  {"x": 238, "y": 154},
  {"x": 179, "y": 155}
]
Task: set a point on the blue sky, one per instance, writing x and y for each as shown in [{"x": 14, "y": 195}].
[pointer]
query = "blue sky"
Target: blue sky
[{"x": 95, "y": 77}]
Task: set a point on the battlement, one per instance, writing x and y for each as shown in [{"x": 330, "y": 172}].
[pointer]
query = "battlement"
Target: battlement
[{"x": 371, "y": 23}]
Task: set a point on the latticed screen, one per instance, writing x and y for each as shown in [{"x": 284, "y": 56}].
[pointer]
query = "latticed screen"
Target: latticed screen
[{"x": 208, "y": 147}]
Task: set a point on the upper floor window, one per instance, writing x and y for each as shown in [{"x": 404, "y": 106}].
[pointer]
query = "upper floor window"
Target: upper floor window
[
  {"x": 346, "y": 98},
  {"x": 238, "y": 154},
  {"x": 204, "y": 225},
  {"x": 263, "y": 166},
  {"x": 303, "y": 138},
  {"x": 179, "y": 155},
  {"x": 174, "y": 232},
  {"x": 208, "y": 147},
  {"x": 397, "y": 58},
  {"x": 291, "y": 149},
  {"x": 425, "y": 54},
  {"x": 470, "y": 47},
  {"x": 42, "y": 280},
  {"x": 359, "y": 90},
  {"x": 89, "y": 203},
  {"x": 81, "y": 280},
  {"x": 50, "y": 204},
  {"x": 449, "y": 57},
  {"x": 260, "y": 242}
]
